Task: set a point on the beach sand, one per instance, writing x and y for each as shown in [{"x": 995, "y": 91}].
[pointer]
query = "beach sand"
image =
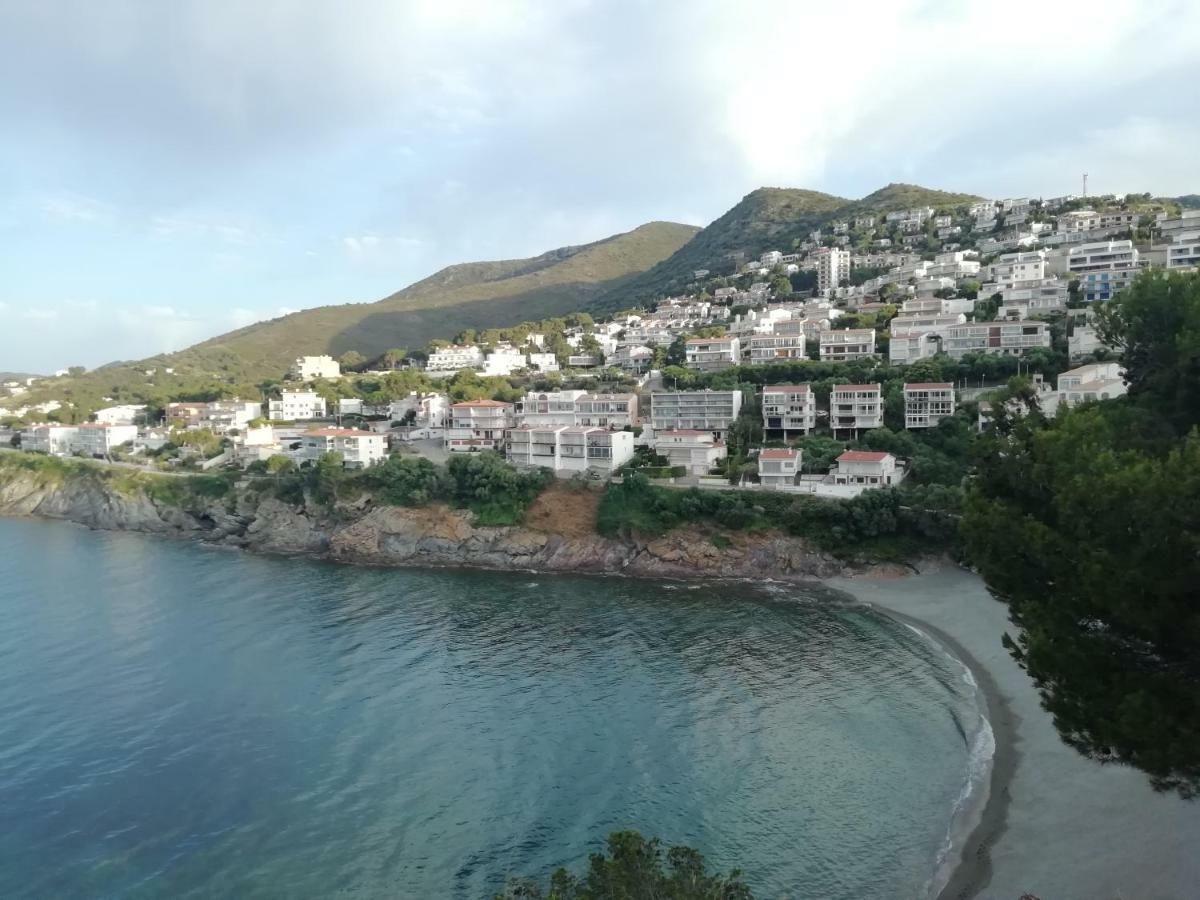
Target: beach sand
[{"x": 1055, "y": 824}]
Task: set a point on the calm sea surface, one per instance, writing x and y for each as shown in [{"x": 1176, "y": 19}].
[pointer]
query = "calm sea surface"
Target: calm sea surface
[{"x": 179, "y": 721}]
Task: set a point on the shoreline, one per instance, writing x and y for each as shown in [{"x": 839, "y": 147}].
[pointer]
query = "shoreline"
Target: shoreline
[{"x": 976, "y": 827}]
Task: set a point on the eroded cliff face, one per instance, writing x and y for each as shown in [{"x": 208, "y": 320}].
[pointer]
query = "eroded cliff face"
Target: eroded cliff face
[{"x": 559, "y": 536}]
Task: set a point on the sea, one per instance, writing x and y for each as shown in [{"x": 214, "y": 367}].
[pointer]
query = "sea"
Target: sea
[{"x": 179, "y": 720}]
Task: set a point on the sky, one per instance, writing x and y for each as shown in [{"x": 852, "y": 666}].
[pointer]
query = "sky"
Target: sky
[{"x": 171, "y": 171}]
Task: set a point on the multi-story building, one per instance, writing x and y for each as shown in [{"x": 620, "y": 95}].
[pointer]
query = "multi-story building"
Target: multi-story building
[
  {"x": 927, "y": 403},
  {"x": 296, "y": 405},
  {"x": 634, "y": 358},
  {"x": 710, "y": 411},
  {"x": 1081, "y": 220},
  {"x": 548, "y": 408},
  {"x": 125, "y": 414},
  {"x": 866, "y": 469},
  {"x": 223, "y": 416},
  {"x": 842, "y": 345},
  {"x": 713, "y": 354},
  {"x": 478, "y": 425},
  {"x": 905, "y": 349},
  {"x": 1098, "y": 381},
  {"x": 789, "y": 407},
  {"x": 447, "y": 360},
  {"x": 359, "y": 449},
  {"x": 1033, "y": 297},
  {"x": 1011, "y": 268},
  {"x": 854, "y": 407},
  {"x": 504, "y": 361},
  {"x": 778, "y": 468},
  {"x": 1184, "y": 251},
  {"x": 771, "y": 348},
  {"x": 1104, "y": 268},
  {"x": 185, "y": 414},
  {"x": 1004, "y": 338},
  {"x": 544, "y": 362},
  {"x": 310, "y": 368},
  {"x": 1084, "y": 341},
  {"x": 611, "y": 411},
  {"x": 98, "y": 439},
  {"x": 57, "y": 440},
  {"x": 697, "y": 451},
  {"x": 569, "y": 448},
  {"x": 833, "y": 267}
]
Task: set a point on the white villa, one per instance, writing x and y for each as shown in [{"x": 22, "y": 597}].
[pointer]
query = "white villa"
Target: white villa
[
  {"x": 866, "y": 469},
  {"x": 778, "y": 468},
  {"x": 696, "y": 451},
  {"x": 297, "y": 406},
  {"x": 310, "y": 368},
  {"x": 360, "y": 449}
]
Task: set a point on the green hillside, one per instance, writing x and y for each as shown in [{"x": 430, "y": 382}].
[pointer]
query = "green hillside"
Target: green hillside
[
  {"x": 470, "y": 295},
  {"x": 766, "y": 219}
]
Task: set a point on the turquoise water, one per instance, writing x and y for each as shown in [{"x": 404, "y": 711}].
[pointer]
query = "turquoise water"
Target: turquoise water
[{"x": 181, "y": 721}]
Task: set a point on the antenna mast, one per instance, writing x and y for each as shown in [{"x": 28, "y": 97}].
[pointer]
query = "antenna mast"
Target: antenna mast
[{"x": 1085, "y": 184}]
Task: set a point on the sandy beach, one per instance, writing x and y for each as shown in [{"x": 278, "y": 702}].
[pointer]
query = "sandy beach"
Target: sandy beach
[{"x": 1055, "y": 824}]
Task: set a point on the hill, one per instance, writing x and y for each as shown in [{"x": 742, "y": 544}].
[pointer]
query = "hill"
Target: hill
[
  {"x": 766, "y": 219},
  {"x": 470, "y": 295}
]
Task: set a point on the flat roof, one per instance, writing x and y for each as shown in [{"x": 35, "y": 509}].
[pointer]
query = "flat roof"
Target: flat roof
[{"x": 927, "y": 385}]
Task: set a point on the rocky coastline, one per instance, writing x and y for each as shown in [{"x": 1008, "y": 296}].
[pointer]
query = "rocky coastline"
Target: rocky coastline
[{"x": 559, "y": 535}]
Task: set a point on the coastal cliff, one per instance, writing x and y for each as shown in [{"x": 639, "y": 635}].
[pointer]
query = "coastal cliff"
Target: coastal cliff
[{"x": 559, "y": 534}]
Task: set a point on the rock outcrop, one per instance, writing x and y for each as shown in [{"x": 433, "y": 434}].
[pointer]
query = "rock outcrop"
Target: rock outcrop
[{"x": 434, "y": 535}]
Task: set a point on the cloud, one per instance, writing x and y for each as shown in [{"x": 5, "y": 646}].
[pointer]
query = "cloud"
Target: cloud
[
  {"x": 68, "y": 207},
  {"x": 373, "y": 246}
]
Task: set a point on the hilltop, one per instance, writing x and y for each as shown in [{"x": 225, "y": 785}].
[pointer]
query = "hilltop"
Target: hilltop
[{"x": 767, "y": 219}]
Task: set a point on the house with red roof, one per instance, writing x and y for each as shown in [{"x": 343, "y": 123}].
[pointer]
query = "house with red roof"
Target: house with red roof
[
  {"x": 778, "y": 468},
  {"x": 867, "y": 469}
]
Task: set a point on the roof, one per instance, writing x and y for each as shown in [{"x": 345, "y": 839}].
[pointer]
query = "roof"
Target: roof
[
  {"x": 778, "y": 454},
  {"x": 786, "y": 389},
  {"x": 856, "y": 387},
  {"x": 683, "y": 432},
  {"x": 927, "y": 385},
  {"x": 493, "y": 404},
  {"x": 712, "y": 340},
  {"x": 862, "y": 456},
  {"x": 342, "y": 432}
]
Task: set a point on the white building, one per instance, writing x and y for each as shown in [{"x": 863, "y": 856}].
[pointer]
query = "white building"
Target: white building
[
  {"x": 611, "y": 411},
  {"x": 504, "y": 361},
  {"x": 223, "y": 416},
  {"x": 349, "y": 406},
  {"x": 697, "y": 451},
  {"x": 429, "y": 410},
  {"x": 833, "y": 267},
  {"x": 789, "y": 407},
  {"x": 845, "y": 344},
  {"x": 359, "y": 449},
  {"x": 544, "y": 362},
  {"x": 547, "y": 408},
  {"x": 57, "y": 440},
  {"x": 297, "y": 405},
  {"x": 569, "y": 448},
  {"x": 1098, "y": 381},
  {"x": 97, "y": 439},
  {"x": 1184, "y": 251},
  {"x": 710, "y": 411},
  {"x": 478, "y": 425},
  {"x": 309, "y": 368},
  {"x": 633, "y": 358},
  {"x": 867, "y": 469},
  {"x": 1104, "y": 268},
  {"x": 778, "y": 468},
  {"x": 451, "y": 359},
  {"x": 853, "y": 407},
  {"x": 713, "y": 354},
  {"x": 927, "y": 403},
  {"x": 1084, "y": 341},
  {"x": 1003, "y": 338},
  {"x": 1014, "y": 267},
  {"x": 120, "y": 415},
  {"x": 771, "y": 348}
]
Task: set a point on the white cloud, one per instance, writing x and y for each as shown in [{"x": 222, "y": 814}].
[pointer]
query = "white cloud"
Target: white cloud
[
  {"x": 69, "y": 207},
  {"x": 373, "y": 246}
]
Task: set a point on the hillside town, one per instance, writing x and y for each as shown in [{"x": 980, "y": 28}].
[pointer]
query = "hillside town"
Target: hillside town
[{"x": 1015, "y": 279}]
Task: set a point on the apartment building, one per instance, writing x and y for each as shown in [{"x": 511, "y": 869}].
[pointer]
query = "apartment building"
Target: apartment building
[
  {"x": 697, "y": 451},
  {"x": 778, "y": 468},
  {"x": 636, "y": 359},
  {"x": 57, "y": 440},
  {"x": 788, "y": 408},
  {"x": 712, "y": 354},
  {"x": 1098, "y": 381},
  {"x": 927, "y": 403},
  {"x": 854, "y": 407},
  {"x": 478, "y": 425},
  {"x": 570, "y": 448},
  {"x": 764, "y": 349},
  {"x": 710, "y": 411},
  {"x": 1003, "y": 338},
  {"x": 905, "y": 349},
  {"x": 548, "y": 408},
  {"x": 866, "y": 469},
  {"x": 310, "y": 368},
  {"x": 98, "y": 439},
  {"x": 504, "y": 361},
  {"x": 125, "y": 414},
  {"x": 611, "y": 411},
  {"x": 297, "y": 405},
  {"x": 1034, "y": 297},
  {"x": 833, "y": 267},
  {"x": 937, "y": 306},
  {"x": 846, "y": 344},
  {"x": 447, "y": 360},
  {"x": 1184, "y": 251},
  {"x": 1016, "y": 267},
  {"x": 223, "y": 416},
  {"x": 544, "y": 362},
  {"x": 1104, "y": 268},
  {"x": 185, "y": 414},
  {"x": 359, "y": 449}
]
